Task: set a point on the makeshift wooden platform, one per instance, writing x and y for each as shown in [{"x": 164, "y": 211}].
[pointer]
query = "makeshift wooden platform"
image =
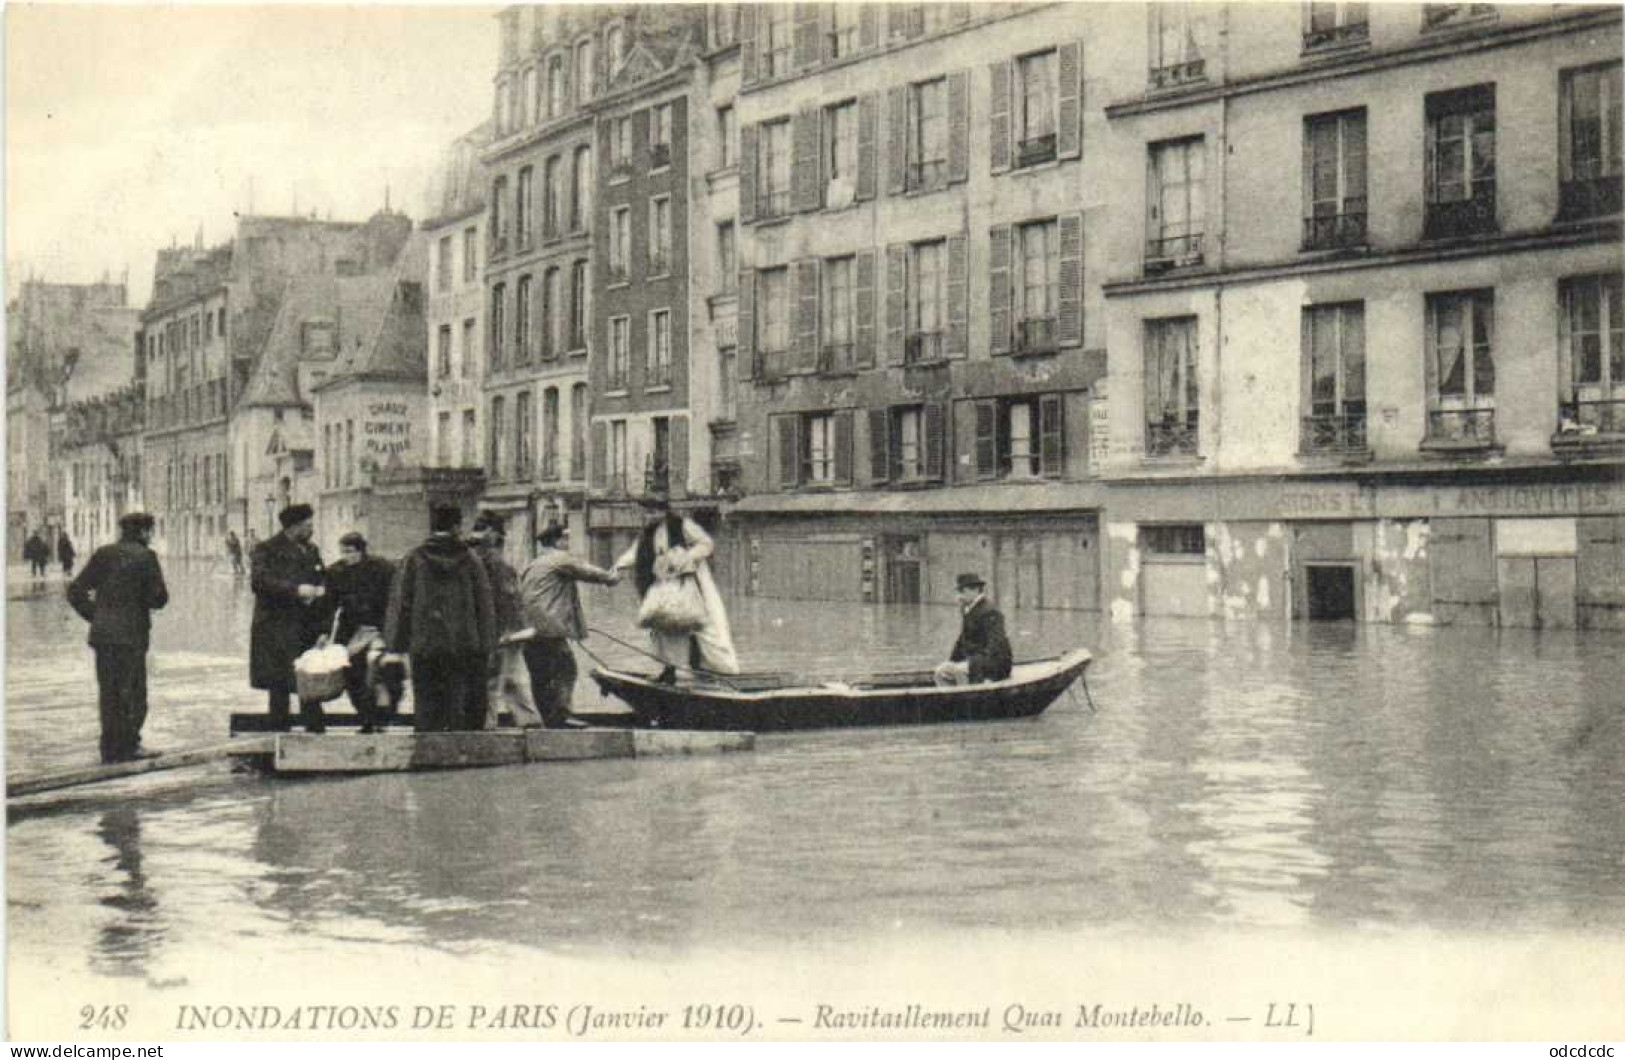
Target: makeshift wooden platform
[
  {"x": 402, "y": 752},
  {"x": 69, "y": 778}
]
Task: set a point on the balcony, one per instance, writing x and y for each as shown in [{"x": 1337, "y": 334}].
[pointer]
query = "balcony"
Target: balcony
[
  {"x": 1173, "y": 252},
  {"x": 1438, "y": 16},
  {"x": 659, "y": 156},
  {"x": 1177, "y": 75},
  {"x": 1337, "y": 231},
  {"x": 836, "y": 357},
  {"x": 1581, "y": 424},
  {"x": 922, "y": 347},
  {"x": 1036, "y": 335},
  {"x": 926, "y": 176},
  {"x": 656, "y": 474},
  {"x": 1333, "y": 434},
  {"x": 1464, "y": 217},
  {"x": 1460, "y": 429},
  {"x": 1171, "y": 438},
  {"x": 1337, "y": 37},
  {"x": 772, "y": 203},
  {"x": 1593, "y": 197},
  {"x": 1035, "y": 150}
]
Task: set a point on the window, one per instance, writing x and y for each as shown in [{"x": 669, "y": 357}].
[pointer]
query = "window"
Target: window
[
  {"x": 727, "y": 138},
  {"x": 776, "y": 32},
  {"x": 1015, "y": 437},
  {"x": 660, "y": 136},
  {"x": 1171, "y": 400},
  {"x": 578, "y": 431},
  {"x": 1177, "y": 204},
  {"x": 1038, "y": 85},
  {"x": 843, "y": 31},
  {"x": 840, "y": 153},
  {"x": 470, "y": 439},
  {"x": 620, "y": 243},
  {"x": 442, "y": 274},
  {"x": 522, "y": 452},
  {"x": 578, "y": 305},
  {"x": 521, "y": 322},
  {"x": 773, "y": 169},
  {"x": 550, "y": 199},
  {"x": 349, "y": 452},
  {"x": 811, "y": 449},
  {"x": 494, "y": 454},
  {"x": 657, "y": 370},
  {"x": 617, "y": 455},
  {"x": 549, "y": 315},
  {"x": 620, "y": 144},
  {"x": 555, "y": 86},
  {"x": 1588, "y": 134},
  {"x": 550, "y": 432},
  {"x": 1461, "y": 368},
  {"x": 724, "y": 24},
  {"x": 1332, "y": 25},
  {"x": 773, "y": 316},
  {"x": 1037, "y": 293},
  {"x": 442, "y": 440},
  {"x": 659, "y": 236},
  {"x": 926, "y": 302},
  {"x": 1436, "y": 16},
  {"x": 657, "y": 475},
  {"x": 837, "y": 325},
  {"x": 470, "y": 261},
  {"x": 504, "y": 108},
  {"x": 615, "y": 45},
  {"x": 466, "y": 367},
  {"x": 524, "y": 208},
  {"x": 1188, "y": 540},
  {"x": 1334, "y": 180},
  {"x": 620, "y": 345},
  {"x": 1177, "y": 41},
  {"x": 727, "y": 259},
  {"x": 499, "y": 297},
  {"x": 908, "y": 442},
  {"x": 1593, "y": 398},
  {"x": 1461, "y": 162},
  {"x": 499, "y": 223},
  {"x": 927, "y": 135},
  {"x": 581, "y": 189},
  {"x": 1334, "y": 379},
  {"x": 443, "y": 352},
  {"x": 584, "y": 69},
  {"x": 727, "y": 388},
  {"x": 818, "y": 448}
]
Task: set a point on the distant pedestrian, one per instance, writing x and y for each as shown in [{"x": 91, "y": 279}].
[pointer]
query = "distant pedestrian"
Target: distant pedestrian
[
  {"x": 290, "y": 614},
  {"x": 234, "y": 549},
  {"x": 360, "y": 586},
  {"x": 65, "y": 553},
  {"x": 440, "y": 615},
  {"x": 116, "y": 593},
  {"x": 982, "y": 652},
  {"x": 553, "y": 610},
  {"x": 38, "y": 555},
  {"x": 508, "y": 680}
]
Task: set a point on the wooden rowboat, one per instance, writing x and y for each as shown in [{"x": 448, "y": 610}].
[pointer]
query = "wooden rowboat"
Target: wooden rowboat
[{"x": 781, "y": 702}]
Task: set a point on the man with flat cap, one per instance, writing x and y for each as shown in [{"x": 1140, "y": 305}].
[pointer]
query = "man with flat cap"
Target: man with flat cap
[
  {"x": 116, "y": 592},
  {"x": 291, "y": 612},
  {"x": 982, "y": 652}
]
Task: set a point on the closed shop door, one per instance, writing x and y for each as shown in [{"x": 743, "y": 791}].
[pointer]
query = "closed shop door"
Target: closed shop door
[
  {"x": 1518, "y": 592},
  {"x": 1464, "y": 573},
  {"x": 1173, "y": 589},
  {"x": 1537, "y": 592},
  {"x": 1071, "y": 578},
  {"x": 1600, "y": 595}
]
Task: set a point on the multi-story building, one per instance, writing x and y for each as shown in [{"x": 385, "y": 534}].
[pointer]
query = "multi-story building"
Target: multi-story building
[
  {"x": 1403, "y": 400},
  {"x": 100, "y": 460},
  {"x": 713, "y": 252},
  {"x": 921, "y": 332}
]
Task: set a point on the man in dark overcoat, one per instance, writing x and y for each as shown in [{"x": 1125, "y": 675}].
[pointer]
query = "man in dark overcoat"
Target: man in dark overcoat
[
  {"x": 982, "y": 652},
  {"x": 291, "y": 613},
  {"x": 116, "y": 592}
]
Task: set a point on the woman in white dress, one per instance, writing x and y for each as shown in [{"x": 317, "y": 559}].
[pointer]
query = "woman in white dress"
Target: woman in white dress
[{"x": 682, "y": 548}]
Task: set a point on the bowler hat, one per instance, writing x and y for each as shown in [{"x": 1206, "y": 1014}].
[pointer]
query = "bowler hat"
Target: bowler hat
[
  {"x": 133, "y": 521},
  {"x": 444, "y": 518},
  {"x": 294, "y": 514},
  {"x": 969, "y": 581}
]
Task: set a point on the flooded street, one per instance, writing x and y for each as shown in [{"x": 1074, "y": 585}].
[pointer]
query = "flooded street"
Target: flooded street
[{"x": 1244, "y": 775}]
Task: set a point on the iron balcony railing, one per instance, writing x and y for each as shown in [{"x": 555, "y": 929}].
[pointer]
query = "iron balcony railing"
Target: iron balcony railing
[
  {"x": 1175, "y": 74},
  {"x": 656, "y": 474},
  {"x": 1172, "y": 252},
  {"x": 926, "y": 176},
  {"x": 659, "y": 374},
  {"x": 659, "y": 155},
  {"x": 1344, "y": 229},
  {"x": 659, "y": 263},
  {"x": 578, "y": 464},
  {"x": 1341, "y": 432},
  {"x": 1036, "y": 150},
  {"x": 1437, "y": 15},
  {"x": 550, "y": 465},
  {"x": 1035, "y": 334},
  {"x": 1463, "y": 217},
  {"x": 835, "y": 356},
  {"x": 1467, "y": 427},
  {"x": 1583, "y": 418},
  {"x": 773, "y": 203},
  {"x": 1171, "y": 437},
  {"x": 1337, "y": 36},
  {"x": 922, "y": 346},
  {"x": 1591, "y": 197},
  {"x": 616, "y": 380}
]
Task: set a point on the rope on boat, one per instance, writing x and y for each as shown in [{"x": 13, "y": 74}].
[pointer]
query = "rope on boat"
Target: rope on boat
[{"x": 697, "y": 670}]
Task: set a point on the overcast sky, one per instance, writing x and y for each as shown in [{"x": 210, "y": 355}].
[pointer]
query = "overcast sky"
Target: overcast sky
[{"x": 129, "y": 127}]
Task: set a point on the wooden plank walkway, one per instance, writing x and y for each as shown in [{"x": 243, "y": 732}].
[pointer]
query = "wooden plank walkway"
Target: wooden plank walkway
[
  {"x": 69, "y": 778},
  {"x": 402, "y": 752}
]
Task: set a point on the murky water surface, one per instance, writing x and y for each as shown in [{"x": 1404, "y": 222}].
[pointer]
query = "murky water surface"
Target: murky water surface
[{"x": 1235, "y": 775}]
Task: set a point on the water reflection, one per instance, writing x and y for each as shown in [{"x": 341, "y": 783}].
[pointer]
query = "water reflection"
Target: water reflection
[{"x": 127, "y": 939}]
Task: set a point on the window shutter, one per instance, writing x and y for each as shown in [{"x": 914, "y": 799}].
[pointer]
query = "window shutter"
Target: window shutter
[
  {"x": 879, "y": 450},
  {"x": 958, "y": 295},
  {"x": 641, "y": 128},
  {"x": 986, "y": 441},
  {"x": 896, "y": 276},
  {"x": 750, "y": 364},
  {"x": 998, "y": 291},
  {"x": 1069, "y": 105},
  {"x": 896, "y": 139},
  {"x": 916, "y": 20},
  {"x": 868, "y": 134},
  {"x": 1565, "y": 346},
  {"x": 787, "y": 459},
  {"x": 749, "y": 60},
  {"x": 1069, "y": 326},
  {"x": 999, "y": 115},
  {"x": 843, "y": 447},
  {"x": 1076, "y": 433},
  {"x": 747, "y": 171},
  {"x": 868, "y": 27},
  {"x": 936, "y": 441},
  {"x": 807, "y": 34},
  {"x": 807, "y": 314},
  {"x": 566, "y": 61},
  {"x": 807, "y": 189},
  {"x": 958, "y": 126},
  {"x": 863, "y": 298},
  {"x": 1052, "y": 436},
  {"x": 600, "y": 455},
  {"x": 677, "y": 478}
]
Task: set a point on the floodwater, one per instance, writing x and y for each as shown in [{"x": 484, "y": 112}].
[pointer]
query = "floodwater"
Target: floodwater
[{"x": 1241, "y": 775}]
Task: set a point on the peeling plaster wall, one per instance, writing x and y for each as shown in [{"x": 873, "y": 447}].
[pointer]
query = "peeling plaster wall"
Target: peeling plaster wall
[
  {"x": 1396, "y": 576},
  {"x": 1248, "y": 566},
  {"x": 1122, "y": 590}
]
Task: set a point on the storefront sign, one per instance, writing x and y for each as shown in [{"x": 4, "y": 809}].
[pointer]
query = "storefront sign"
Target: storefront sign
[
  {"x": 387, "y": 430},
  {"x": 1100, "y": 427}
]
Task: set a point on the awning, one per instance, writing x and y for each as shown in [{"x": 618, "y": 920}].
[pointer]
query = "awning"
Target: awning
[{"x": 986, "y": 499}]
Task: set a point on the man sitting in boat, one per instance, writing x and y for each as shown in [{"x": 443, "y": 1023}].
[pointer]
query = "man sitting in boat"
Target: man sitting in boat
[{"x": 982, "y": 652}]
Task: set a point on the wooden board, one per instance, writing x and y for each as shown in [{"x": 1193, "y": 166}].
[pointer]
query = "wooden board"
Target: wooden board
[
  {"x": 648, "y": 743},
  {"x": 402, "y": 752},
  {"x": 170, "y": 760}
]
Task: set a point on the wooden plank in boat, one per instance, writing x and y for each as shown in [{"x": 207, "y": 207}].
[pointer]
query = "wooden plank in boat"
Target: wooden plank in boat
[
  {"x": 657, "y": 742},
  {"x": 298, "y": 752}
]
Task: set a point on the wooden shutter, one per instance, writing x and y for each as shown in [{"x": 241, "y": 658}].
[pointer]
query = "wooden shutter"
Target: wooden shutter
[
  {"x": 600, "y": 455},
  {"x": 749, "y": 60},
  {"x": 868, "y": 135},
  {"x": 1052, "y": 436},
  {"x": 987, "y": 452},
  {"x": 999, "y": 77},
  {"x": 879, "y": 449},
  {"x": 806, "y": 358},
  {"x": 863, "y": 299},
  {"x": 1069, "y": 103},
  {"x": 747, "y": 171},
  {"x": 896, "y": 140},
  {"x": 957, "y": 344},
  {"x": 787, "y": 450},
  {"x": 958, "y": 126},
  {"x": 896, "y": 318},
  {"x": 641, "y": 128},
  {"x": 807, "y": 34},
  {"x": 1076, "y": 433},
  {"x": 936, "y": 441},
  {"x": 807, "y": 192},
  {"x": 843, "y": 447},
  {"x": 745, "y": 326},
  {"x": 1069, "y": 325},
  {"x": 998, "y": 290},
  {"x": 868, "y": 27}
]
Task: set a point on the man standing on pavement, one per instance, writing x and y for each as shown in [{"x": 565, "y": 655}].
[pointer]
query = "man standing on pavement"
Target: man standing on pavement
[
  {"x": 509, "y": 683},
  {"x": 65, "y": 553},
  {"x": 360, "y": 589},
  {"x": 440, "y": 615},
  {"x": 37, "y": 554},
  {"x": 116, "y": 593},
  {"x": 553, "y": 609},
  {"x": 234, "y": 550},
  {"x": 290, "y": 614}
]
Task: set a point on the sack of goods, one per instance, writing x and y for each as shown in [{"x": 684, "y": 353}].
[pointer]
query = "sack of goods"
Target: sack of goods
[
  {"x": 318, "y": 674},
  {"x": 673, "y": 605}
]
